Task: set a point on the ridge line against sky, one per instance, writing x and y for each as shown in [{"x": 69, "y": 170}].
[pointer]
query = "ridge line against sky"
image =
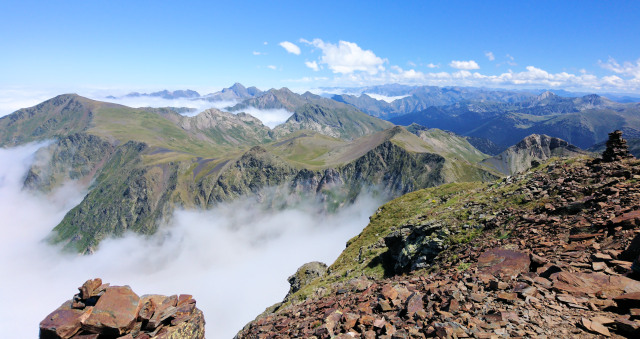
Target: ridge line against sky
[{"x": 587, "y": 46}]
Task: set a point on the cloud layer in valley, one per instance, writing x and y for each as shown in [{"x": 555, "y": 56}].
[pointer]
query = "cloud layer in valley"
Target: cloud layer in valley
[{"x": 235, "y": 264}]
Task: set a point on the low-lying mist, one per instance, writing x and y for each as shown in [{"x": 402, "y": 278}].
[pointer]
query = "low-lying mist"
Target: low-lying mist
[
  {"x": 234, "y": 259},
  {"x": 269, "y": 117}
]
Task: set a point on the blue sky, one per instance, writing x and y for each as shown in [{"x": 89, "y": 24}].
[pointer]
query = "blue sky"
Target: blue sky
[{"x": 145, "y": 45}]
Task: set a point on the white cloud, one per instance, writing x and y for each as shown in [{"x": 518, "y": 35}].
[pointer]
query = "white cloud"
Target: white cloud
[
  {"x": 627, "y": 68},
  {"x": 256, "y": 53},
  {"x": 272, "y": 67},
  {"x": 235, "y": 264},
  {"x": 290, "y": 47},
  {"x": 466, "y": 65},
  {"x": 347, "y": 57},
  {"x": 313, "y": 65},
  {"x": 531, "y": 77},
  {"x": 490, "y": 56},
  {"x": 432, "y": 65},
  {"x": 269, "y": 117},
  {"x": 385, "y": 98}
]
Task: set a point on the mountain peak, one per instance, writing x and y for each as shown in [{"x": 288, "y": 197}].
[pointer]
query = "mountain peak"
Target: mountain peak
[
  {"x": 238, "y": 87},
  {"x": 546, "y": 95}
]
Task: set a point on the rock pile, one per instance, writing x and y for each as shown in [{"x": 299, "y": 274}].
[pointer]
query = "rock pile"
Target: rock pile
[
  {"x": 617, "y": 148},
  {"x": 100, "y": 311},
  {"x": 562, "y": 270}
]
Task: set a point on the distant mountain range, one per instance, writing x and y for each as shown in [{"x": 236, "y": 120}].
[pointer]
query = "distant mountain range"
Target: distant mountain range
[
  {"x": 582, "y": 121},
  {"x": 236, "y": 92}
]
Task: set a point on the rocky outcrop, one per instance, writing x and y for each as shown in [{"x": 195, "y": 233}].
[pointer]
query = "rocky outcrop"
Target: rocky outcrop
[
  {"x": 103, "y": 311},
  {"x": 617, "y": 148},
  {"x": 529, "y": 152},
  {"x": 306, "y": 274},
  {"x": 77, "y": 157}
]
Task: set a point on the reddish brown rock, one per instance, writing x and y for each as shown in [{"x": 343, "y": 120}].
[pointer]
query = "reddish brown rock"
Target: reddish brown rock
[
  {"x": 507, "y": 262},
  {"x": 115, "y": 311},
  {"x": 63, "y": 322},
  {"x": 592, "y": 283},
  {"x": 86, "y": 290}
]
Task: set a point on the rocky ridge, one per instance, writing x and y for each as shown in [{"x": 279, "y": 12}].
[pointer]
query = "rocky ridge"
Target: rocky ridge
[
  {"x": 103, "y": 311},
  {"x": 551, "y": 256},
  {"x": 529, "y": 152}
]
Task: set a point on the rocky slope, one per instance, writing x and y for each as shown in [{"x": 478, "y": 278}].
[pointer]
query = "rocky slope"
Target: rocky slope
[
  {"x": 545, "y": 253},
  {"x": 529, "y": 152},
  {"x": 103, "y": 311}
]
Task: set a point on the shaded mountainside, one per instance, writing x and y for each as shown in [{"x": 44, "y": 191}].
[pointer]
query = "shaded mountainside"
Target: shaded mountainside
[
  {"x": 543, "y": 253},
  {"x": 581, "y": 121},
  {"x": 530, "y": 152},
  {"x": 140, "y": 164}
]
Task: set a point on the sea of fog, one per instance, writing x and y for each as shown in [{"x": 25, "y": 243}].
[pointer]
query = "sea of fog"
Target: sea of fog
[
  {"x": 269, "y": 117},
  {"x": 234, "y": 259}
]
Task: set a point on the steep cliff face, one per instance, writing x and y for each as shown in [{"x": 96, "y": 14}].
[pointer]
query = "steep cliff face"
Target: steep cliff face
[
  {"x": 126, "y": 196},
  {"x": 531, "y": 150},
  {"x": 130, "y": 195},
  {"x": 76, "y": 157}
]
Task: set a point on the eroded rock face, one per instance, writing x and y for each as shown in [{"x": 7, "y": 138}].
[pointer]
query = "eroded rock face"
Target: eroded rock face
[{"x": 103, "y": 311}]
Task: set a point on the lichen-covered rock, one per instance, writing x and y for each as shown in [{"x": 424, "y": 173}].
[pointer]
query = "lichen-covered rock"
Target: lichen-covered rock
[
  {"x": 305, "y": 274},
  {"x": 120, "y": 313}
]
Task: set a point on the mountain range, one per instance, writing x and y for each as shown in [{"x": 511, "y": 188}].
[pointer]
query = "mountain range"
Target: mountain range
[{"x": 140, "y": 164}]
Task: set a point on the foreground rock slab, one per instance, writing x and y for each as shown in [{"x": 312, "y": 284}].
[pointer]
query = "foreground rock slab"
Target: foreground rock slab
[{"x": 103, "y": 311}]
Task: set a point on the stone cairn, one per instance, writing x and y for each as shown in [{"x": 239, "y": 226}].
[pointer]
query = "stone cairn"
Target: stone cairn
[
  {"x": 105, "y": 312},
  {"x": 617, "y": 148}
]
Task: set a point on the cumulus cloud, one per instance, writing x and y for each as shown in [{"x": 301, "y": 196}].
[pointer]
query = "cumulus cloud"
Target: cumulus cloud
[
  {"x": 465, "y": 65},
  {"x": 432, "y": 65},
  {"x": 290, "y": 47},
  {"x": 273, "y": 67},
  {"x": 235, "y": 264},
  {"x": 313, "y": 65},
  {"x": 628, "y": 68},
  {"x": 490, "y": 56},
  {"x": 347, "y": 57}
]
